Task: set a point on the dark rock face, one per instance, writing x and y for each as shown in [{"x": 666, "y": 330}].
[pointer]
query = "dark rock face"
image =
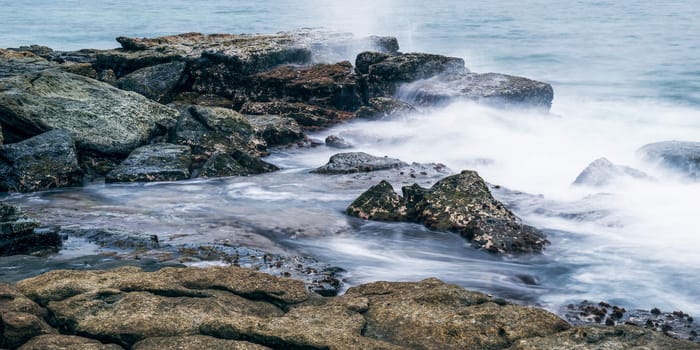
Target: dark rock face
[
  {"x": 101, "y": 118},
  {"x": 602, "y": 172},
  {"x": 355, "y": 162},
  {"x": 324, "y": 85},
  {"x": 309, "y": 117},
  {"x": 336, "y": 142},
  {"x": 159, "y": 162},
  {"x": 15, "y": 63},
  {"x": 22, "y": 235},
  {"x": 41, "y": 162},
  {"x": 236, "y": 164},
  {"x": 159, "y": 82},
  {"x": 490, "y": 88},
  {"x": 678, "y": 155},
  {"x": 382, "y": 107},
  {"x": 276, "y": 130},
  {"x": 460, "y": 203}
]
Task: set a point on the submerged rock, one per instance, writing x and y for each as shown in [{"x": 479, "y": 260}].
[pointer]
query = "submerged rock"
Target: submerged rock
[
  {"x": 101, "y": 118},
  {"x": 45, "y": 161},
  {"x": 460, "y": 203},
  {"x": 159, "y": 82},
  {"x": 22, "y": 235},
  {"x": 159, "y": 162},
  {"x": 355, "y": 162},
  {"x": 602, "y": 172},
  {"x": 490, "y": 88},
  {"x": 681, "y": 156}
]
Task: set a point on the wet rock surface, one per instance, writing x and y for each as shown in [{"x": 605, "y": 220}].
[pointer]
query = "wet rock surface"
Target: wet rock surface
[
  {"x": 159, "y": 82},
  {"x": 490, "y": 88},
  {"x": 45, "y": 161},
  {"x": 681, "y": 156},
  {"x": 602, "y": 172},
  {"x": 460, "y": 203},
  {"x": 159, "y": 162},
  {"x": 22, "y": 235},
  {"x": 355, "y": 162},
  {"x": 100, "y": 117}
]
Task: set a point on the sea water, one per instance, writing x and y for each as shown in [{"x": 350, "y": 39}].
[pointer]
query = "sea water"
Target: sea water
[{"x": 625, "y": 73}]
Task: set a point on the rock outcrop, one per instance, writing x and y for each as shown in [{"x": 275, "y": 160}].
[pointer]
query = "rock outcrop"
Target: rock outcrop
[
  {"x": 160, "y": 82},
  {"x": 460, "y": 203},
  {"x": 22, "y": 235},
  {"x": 100, "y": 117},
  {"x": 236, "y": 308},
  {"x": 681, "y": 156},
  {"x": 356, "y": 162},
  {"x": 602, "y": 172},
  {"x": 45, "y": 161}
]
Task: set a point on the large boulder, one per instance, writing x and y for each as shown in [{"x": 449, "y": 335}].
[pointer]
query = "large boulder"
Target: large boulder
[
  {"x": 158, "y": 162},
  {"x": 460, "y": 203},
  {"x": 355, "y": 162},
  {"x": 160, "y": 82},
  {"x": 434, "y": 315},
  {"x": 41, "y": 162},
  {"x": 307, "y": 116},
  {"x": 682, "y": 156},
  {"x": 490, "y": 88},
  {"x": 21, "y": 62},
  {"x": 22, "y": 235},
  {"x": 385, "y": 73},
  {"x": 209, "y": 130},
  {"x": 602, "y": 172},
  {"x": 101, "y": 118}
]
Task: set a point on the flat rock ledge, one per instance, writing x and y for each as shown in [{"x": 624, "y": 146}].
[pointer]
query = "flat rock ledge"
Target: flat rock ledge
[
  {"x": 460, "y": 203},
  {"x": 236, "y": 308}
]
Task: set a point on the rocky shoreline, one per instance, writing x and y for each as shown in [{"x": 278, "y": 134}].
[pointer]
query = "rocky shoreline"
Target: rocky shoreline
[{"x": 204, "y": 106}]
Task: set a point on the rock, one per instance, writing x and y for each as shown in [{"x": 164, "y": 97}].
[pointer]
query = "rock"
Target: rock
[
  {"x": 114, "y": 238},
  {"x": 600, "y": 337},
  {"x": 159, "y": 82},
  {"x": 21, "y": 62},
  {"x": 602, "y": 172},
  {"x": 101, "y": 118},
  {"x": 337, "y": 142},
  {"x": 18, "y": 327},
  {"x": 385, "y": 74},
  {"x": 308, "y": 116},
  {"x": 195, "y": 342},
  {"x": 433, "y": 315},
  {"x": 460, "y": 203},
  {"x": 59, "y": 285},
  {"x": 491, "y": 88},
  {"x": 276, "y": 130},
  {"x": 379, "y": 202},
  {"x": 2, "y": 138},
  {"x": 237, "y": 164},
  {"x": 305, "y": 327},
  {"x": 355, "y": 162},
  {"x": 367, "y": 58},
  {"x": 11, "y": 300},
  {"x": 66, "y": 342},
  {"x": 325, "y": 85},
  {"x": 209, "y": 130},
  {"x": 159, "y": 162},
  {"x": 45, "y": 161},
  {"x": 128, "y": 317},
  {"x": 21, "y": 235},
  {"x": 382, "y": 107},
  {"x": 681, "y": 156}
]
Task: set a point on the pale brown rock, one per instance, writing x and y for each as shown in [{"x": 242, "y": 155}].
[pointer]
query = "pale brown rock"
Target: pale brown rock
[
  {"x": 66, "y": 342},
  {"x": 195, "y": 342}
]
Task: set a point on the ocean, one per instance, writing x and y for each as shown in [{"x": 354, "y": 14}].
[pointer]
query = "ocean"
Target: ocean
[{"x": 625, "y": 73}]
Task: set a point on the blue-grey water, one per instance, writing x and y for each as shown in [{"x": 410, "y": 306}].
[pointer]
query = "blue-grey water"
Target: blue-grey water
[{"x": 625, "y": 73}]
